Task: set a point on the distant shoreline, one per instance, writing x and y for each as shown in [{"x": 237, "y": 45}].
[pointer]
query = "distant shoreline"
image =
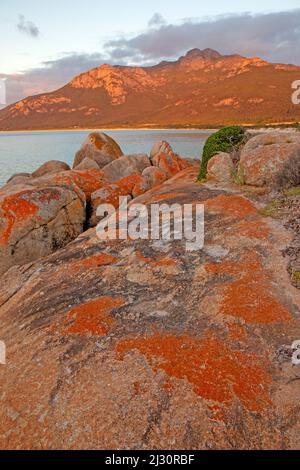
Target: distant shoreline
[
  {"x": 279, "y": 126},
  {"x": 290, "y": 126},
  {"x": 84, "y": 129}
]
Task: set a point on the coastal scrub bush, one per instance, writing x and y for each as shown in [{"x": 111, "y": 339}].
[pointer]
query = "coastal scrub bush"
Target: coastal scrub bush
[
  {"x": 289, "y": 176},
  {"x": 228, "y": 139}
]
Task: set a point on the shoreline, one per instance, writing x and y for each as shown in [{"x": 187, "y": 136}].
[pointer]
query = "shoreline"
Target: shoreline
[
  {"x": 279, "y": 127},
  {"x": 282, "y": 126},
  {"x": 118, "y": 129}
]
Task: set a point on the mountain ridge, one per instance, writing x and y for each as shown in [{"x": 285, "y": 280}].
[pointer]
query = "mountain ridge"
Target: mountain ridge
[{"x": 201, "y": 88}]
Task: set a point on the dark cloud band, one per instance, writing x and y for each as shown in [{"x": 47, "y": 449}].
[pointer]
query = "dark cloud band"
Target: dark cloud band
[{"x": 274, "y": 37}]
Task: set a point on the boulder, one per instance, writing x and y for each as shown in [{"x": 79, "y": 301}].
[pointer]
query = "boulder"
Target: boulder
[
  {"x": 126, "y": 166},
  {"x": 44, "y": 213},
  {"x": 18, "y": 175},
  {"x": 264, "y": 156},
  {"x": 99, "y": 147},
  {"x": 163, "y": 157},
  {"x": 220, "y": 168},
  {"x": 170, "y": 164},
  {"x": 161, "y": 147},
  {"x": 141, "y": 187},
  {"x": 154, "y": 176},
  {"x": 86, "y": 181},
  {"x": 51, "y": 167},
  {"x": 102, "y": 160},
  {"x": 36, "y": 221},
  {"x": 19, "y": 178},
  {"x": 87, "y": 164},
  {"x": 110, "y": 194}
]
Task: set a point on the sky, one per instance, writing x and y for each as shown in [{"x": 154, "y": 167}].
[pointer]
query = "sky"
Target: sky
[{"x": 47, "y": 43}]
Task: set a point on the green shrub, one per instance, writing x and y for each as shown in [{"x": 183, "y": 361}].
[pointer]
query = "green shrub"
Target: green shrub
[{"x": 226, "y": 139}]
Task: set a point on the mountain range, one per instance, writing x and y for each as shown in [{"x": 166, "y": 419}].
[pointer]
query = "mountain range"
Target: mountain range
[{"x": 201, "y": 89}]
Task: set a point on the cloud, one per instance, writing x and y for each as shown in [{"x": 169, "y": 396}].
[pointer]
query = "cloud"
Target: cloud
[
  {"x": 272, "y": 36},
  {"x": 28, "y": 27},
  {"x": 156, "y": 20}
]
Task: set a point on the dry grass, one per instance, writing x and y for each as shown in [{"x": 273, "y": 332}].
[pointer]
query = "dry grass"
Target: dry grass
[{"x": 289, "y": 177}]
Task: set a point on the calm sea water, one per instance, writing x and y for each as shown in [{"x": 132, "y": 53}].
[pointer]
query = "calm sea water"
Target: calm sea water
[{"x": 25, "y": 152}]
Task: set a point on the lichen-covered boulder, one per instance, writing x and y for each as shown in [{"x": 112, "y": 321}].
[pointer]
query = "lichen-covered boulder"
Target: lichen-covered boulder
[
  {"x": 220, "y": 168},
  {"x": 86, "y": 181},
  {"x": 161, "y": 147},
  {"x": 22, "y": 175},
  {"x": 141, "y": 187},
  {"x": 126, "y": 166},
  {"x": 154, "y": 176},
  {"x": 110, "y": 194},
  {"x": 163, "y": 157},
  {"x": 264, "y": 156},
  {"x": 88, "y": 164},
  {"x": 36, "y": 221},
  {"x": 99, "y": 147},
  {"x": 19, "y": 178},
  {"x": 50, "y": 167},
  {"x": 43, "y": 213},
  {"x": 170, "y": 164}
]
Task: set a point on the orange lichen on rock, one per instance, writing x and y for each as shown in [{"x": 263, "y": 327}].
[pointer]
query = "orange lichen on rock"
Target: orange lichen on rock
[
  {"x": 165, "y": 197},
  {"x": 168, "y": 387},
  {"x": 217, "y": 413},
  {"x": 93, "y": 262},
  {"x": 93, "y": 317},
  {"x": 252, "y": 229},
  {"x": 237, "y": 332},
  {"x": 111, "y": 193},
  {"x": 250, "y": 295},
  {"x": 50, "y": 195},
  {"x": 141, "y": 187},
  {"x": 232, "y": 205},
  {"x": 165, "y": 262},
  {"x": 214, "y": 370},
  {"x": 88, "y": 181},
  {"x": 143, "y": 258},
  {"x": 15, "y": 209},
  {"x": 169, "y": 162},
  {"x": 129, "y": 182}
]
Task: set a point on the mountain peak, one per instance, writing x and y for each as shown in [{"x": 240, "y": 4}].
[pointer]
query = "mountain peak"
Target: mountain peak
[
  {"x": 203, "y": 87},
  {"x": 206, "y": 54}
]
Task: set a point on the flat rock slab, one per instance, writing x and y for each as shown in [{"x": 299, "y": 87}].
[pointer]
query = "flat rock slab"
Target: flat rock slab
[{"x": 141, "y": 344}]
